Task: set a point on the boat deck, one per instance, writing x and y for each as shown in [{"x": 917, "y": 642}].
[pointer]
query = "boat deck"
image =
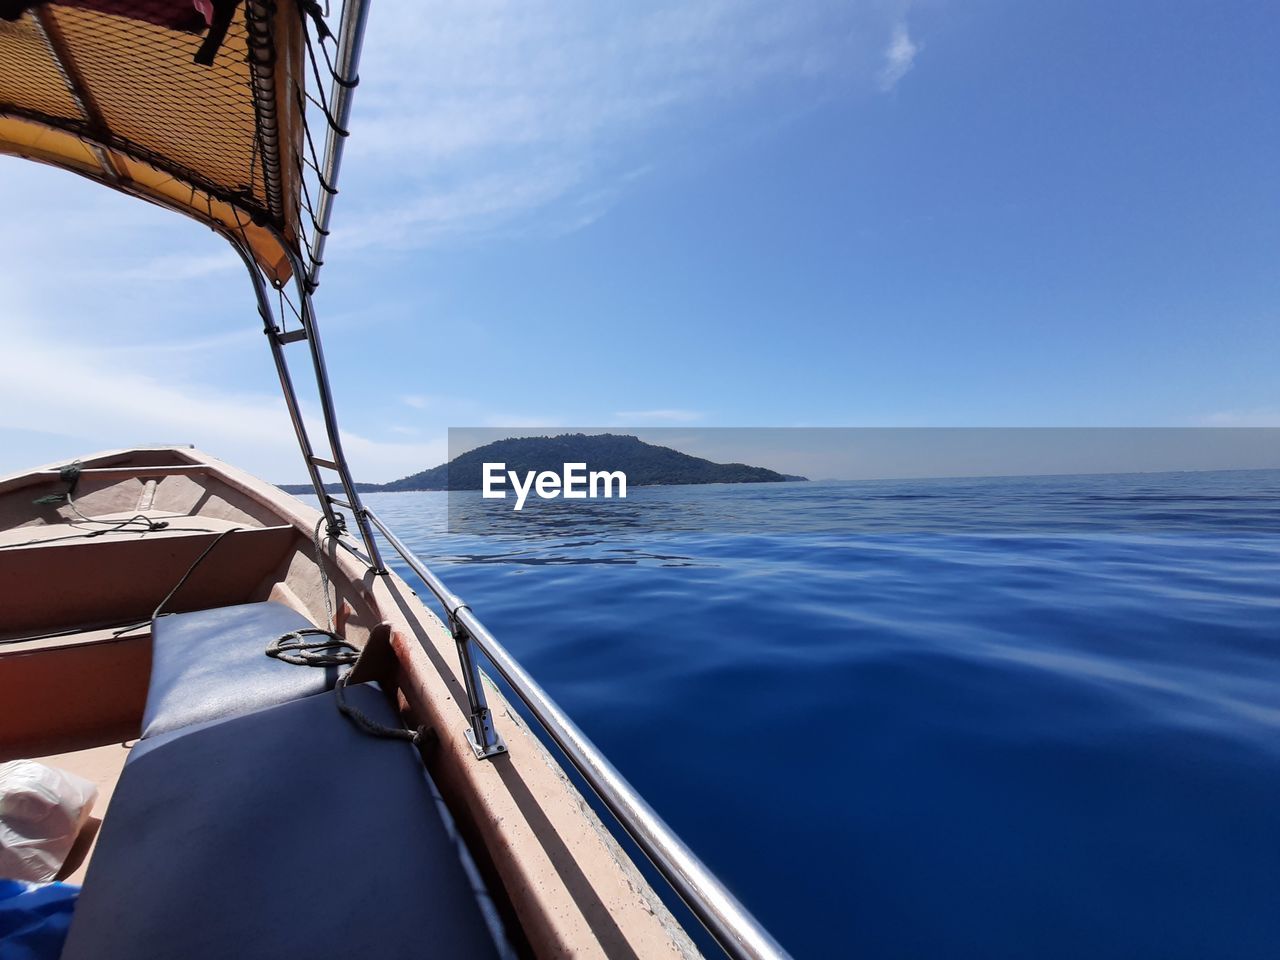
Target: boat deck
[
  {"x": 101, "y": 528},
  {"x": 101, "y": 764},
  {"x": 76, "y": 662},
  {"x": 179, "y": 524}
]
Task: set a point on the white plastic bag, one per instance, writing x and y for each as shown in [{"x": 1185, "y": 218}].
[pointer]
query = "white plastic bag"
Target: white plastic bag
[{"x": 42, "y": 810}]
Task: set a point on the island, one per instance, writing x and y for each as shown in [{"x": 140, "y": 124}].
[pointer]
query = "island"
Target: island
[{"x": 645, "y": 464}]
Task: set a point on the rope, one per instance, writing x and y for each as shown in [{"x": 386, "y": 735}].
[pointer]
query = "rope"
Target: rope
[
  {"x": 372, "y": 727},
  {"x": 68, "y": 632},
  {"x": 332, "y": 650},
  {"x": 328, "y": 651},
  {"x": 40, "y": 541},
  {"x": 149, "y": 525},
  {"x": 70, "y": 475},
  {"x": 318, "y": 541},
  {"x": 178, "y": 586},
  {"x": 192, "y": 569}
]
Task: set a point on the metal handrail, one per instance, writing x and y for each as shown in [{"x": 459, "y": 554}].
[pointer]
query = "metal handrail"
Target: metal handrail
[{"x": 739, "y": 934}]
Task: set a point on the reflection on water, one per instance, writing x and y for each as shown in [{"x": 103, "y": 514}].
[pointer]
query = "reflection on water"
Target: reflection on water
[
  {"x": 1025, "y": 717},
  {"x": 1108, "y": 503}
]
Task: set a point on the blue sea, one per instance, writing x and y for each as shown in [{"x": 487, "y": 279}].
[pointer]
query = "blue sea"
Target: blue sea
[{"x": 996, "y": 718}]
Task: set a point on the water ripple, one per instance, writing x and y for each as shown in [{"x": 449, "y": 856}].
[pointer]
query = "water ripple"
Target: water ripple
[{"x": 980, "y": 718}]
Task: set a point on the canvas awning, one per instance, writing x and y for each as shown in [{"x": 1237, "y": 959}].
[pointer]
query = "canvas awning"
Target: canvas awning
[{"x": 113, "y": 90}]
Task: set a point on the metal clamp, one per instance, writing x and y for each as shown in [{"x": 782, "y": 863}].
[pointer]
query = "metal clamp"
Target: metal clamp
[
  {"x": 337, "y": 525},
  {"x": 484, "y": 738}
]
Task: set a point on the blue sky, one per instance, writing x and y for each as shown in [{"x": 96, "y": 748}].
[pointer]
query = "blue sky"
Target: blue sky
[{"x": 726, "y": 213}]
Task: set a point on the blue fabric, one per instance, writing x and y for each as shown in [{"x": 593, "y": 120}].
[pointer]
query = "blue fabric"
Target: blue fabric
[{"x": 34, "y": 919}]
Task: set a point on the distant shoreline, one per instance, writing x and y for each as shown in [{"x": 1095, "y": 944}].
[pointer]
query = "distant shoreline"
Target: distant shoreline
[
  {"x": 644, "y": 464},
  {"x": 364, "y": 487}
]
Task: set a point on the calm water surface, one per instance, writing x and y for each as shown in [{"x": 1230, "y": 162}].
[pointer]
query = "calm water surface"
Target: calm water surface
[{"x": 980, "y": 718}]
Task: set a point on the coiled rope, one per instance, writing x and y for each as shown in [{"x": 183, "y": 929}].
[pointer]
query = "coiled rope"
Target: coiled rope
[{"x": 331, "y": 650}]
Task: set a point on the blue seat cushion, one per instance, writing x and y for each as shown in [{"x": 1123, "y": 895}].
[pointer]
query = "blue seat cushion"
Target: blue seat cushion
[
  {"x": 212, "y": 664},
  {"x": 286, "y": 833}
]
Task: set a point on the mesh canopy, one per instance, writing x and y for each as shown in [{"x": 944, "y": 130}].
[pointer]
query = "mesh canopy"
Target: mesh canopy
[{"x": 112, "y": 90}]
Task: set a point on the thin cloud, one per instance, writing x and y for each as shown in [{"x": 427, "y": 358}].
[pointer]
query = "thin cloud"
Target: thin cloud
[
  {"x": 232, "y": 339},
  {"x": 521, "y": 421},
  {"x": 899, "y": 58},
  {"x": 668, "y": 415},
  {"x": 100, "y": 402},
  {"x": 96, "y": 399},
  {"x": 377, "y": 461},
  {"x": 483, "y": 116},
  {"x": 485, "y": 113},
  {"x": 177, "y": 267},
  {"x": 1257, "y": 417},
  {"x": 462, "y": 208}
]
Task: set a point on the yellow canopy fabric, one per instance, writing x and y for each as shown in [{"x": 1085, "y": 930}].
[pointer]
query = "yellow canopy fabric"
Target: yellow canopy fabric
[{"x": 121, "y": 100}]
